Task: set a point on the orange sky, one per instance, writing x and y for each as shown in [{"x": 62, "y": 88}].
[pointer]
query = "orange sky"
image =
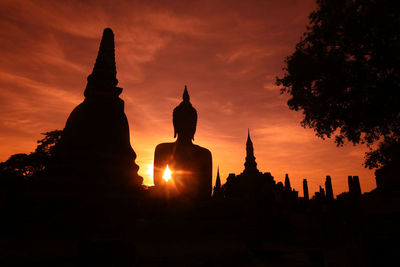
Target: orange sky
[{"x": 227, "y": 52}]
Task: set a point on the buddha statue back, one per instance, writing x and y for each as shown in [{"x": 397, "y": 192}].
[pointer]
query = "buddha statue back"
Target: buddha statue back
[{"x": 190, "y": 164}]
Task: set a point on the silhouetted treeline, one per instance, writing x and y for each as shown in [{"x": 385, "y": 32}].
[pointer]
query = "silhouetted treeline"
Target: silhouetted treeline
[{"x": 28, "y": 165}]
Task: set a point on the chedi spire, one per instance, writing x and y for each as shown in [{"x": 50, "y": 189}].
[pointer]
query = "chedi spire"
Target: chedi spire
[
  {"x": 218, "y": 180},
  {"x": 103, "y": 79},
  {"x": 250, "y": 164},
  {"x": 287, "y": 183},
  {"x": 218, "y": 191}
]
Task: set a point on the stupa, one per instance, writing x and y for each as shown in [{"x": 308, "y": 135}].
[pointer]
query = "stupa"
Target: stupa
[{"x": 95, "y": 145}]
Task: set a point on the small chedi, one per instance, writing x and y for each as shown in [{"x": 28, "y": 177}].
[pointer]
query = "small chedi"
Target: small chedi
[
  {"x": 95, "y": 142},
  {"x": 182, "y": 168},
  {"x": 253, "y": 184},
  {"x": 218, "y": 193}
]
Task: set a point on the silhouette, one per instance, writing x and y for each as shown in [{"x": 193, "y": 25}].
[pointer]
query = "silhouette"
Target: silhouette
[
  {"x": 255, "y": 185},
  {"x": 251, "y": 182},
  {"x": 387, "y": 178},
  {"x": 191, "y": 164},
  {"x": 290, "y": 194},
  {"x": 95, "y": 142},
  {"x": 287, "y": 183},
  {"x": 354, "y": 186},
  {"x": 250, "y": 165},
  {"x": 328, "y": 188},
  {"x": 321, "y": 192},
  {"x": 305, "y": 190},
  {"x": 251, "y": 220},
  {"x": 35, "y": 163},
  {"x": 343, "y": 77},
  {"x": 218, "y": 193}
]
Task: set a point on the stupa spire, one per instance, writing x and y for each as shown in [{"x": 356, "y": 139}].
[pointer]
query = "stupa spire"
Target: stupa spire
[
  {"x": 250, "y": 164},
  {"x": 103, "y": 79},
  {"x": 248, "y": 138},
  {"x": 218, "y": 181},
  {"x": 218, "y": 192},
  {"x": 287, "y": 183}
]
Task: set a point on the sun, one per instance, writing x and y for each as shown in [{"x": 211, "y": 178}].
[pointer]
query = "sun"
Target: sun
[{"x": 167, "y": 174}]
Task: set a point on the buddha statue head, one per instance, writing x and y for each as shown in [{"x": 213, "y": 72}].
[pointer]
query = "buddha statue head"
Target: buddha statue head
[{"x": 185, "y": 118}]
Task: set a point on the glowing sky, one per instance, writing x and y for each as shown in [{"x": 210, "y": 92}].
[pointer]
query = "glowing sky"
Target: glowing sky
[{"x": 227, "y": 52}]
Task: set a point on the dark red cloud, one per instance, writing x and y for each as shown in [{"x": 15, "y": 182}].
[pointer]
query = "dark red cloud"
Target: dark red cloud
[{"x": 227, "y": 52}]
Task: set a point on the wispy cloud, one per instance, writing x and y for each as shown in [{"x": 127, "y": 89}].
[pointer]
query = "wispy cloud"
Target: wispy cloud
[{"x": 227, "y": 52}]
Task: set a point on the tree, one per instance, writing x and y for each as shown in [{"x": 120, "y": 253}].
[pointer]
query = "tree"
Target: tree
[
  {"x": 344, "y": 75},
  {"x": 47, "y": 145},
  {"x": 27, "y": 165},
  {"x": 21, "y": 165}
]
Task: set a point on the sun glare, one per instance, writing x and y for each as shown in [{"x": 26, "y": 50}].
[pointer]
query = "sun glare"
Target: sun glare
[{"x": 167, "y": 174}]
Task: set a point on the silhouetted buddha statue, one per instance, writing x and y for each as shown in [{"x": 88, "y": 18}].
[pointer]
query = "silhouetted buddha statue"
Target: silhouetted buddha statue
[
  {"x": 95, "y": 142},
  {"x": 190, "y": 164}
]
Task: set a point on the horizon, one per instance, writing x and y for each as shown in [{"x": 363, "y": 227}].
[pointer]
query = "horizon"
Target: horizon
[{"x": 228, "y": 57}]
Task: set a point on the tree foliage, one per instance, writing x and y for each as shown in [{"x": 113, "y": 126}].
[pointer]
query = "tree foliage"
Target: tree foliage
[
  {"x": 344, "y": 74},
  {"x": 27, "y": 165},
  {"x": 48, "y": 144}
]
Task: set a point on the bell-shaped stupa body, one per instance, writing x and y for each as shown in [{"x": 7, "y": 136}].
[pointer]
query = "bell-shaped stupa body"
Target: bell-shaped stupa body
[{"x": 95, "y": 142}]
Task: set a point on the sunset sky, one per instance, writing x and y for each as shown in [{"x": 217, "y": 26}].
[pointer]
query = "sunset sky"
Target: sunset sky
[{"x": 227, "y": 52}]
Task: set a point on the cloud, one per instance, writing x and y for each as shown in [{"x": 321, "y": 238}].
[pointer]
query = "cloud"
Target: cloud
[{"x": 227, "y": 52}]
